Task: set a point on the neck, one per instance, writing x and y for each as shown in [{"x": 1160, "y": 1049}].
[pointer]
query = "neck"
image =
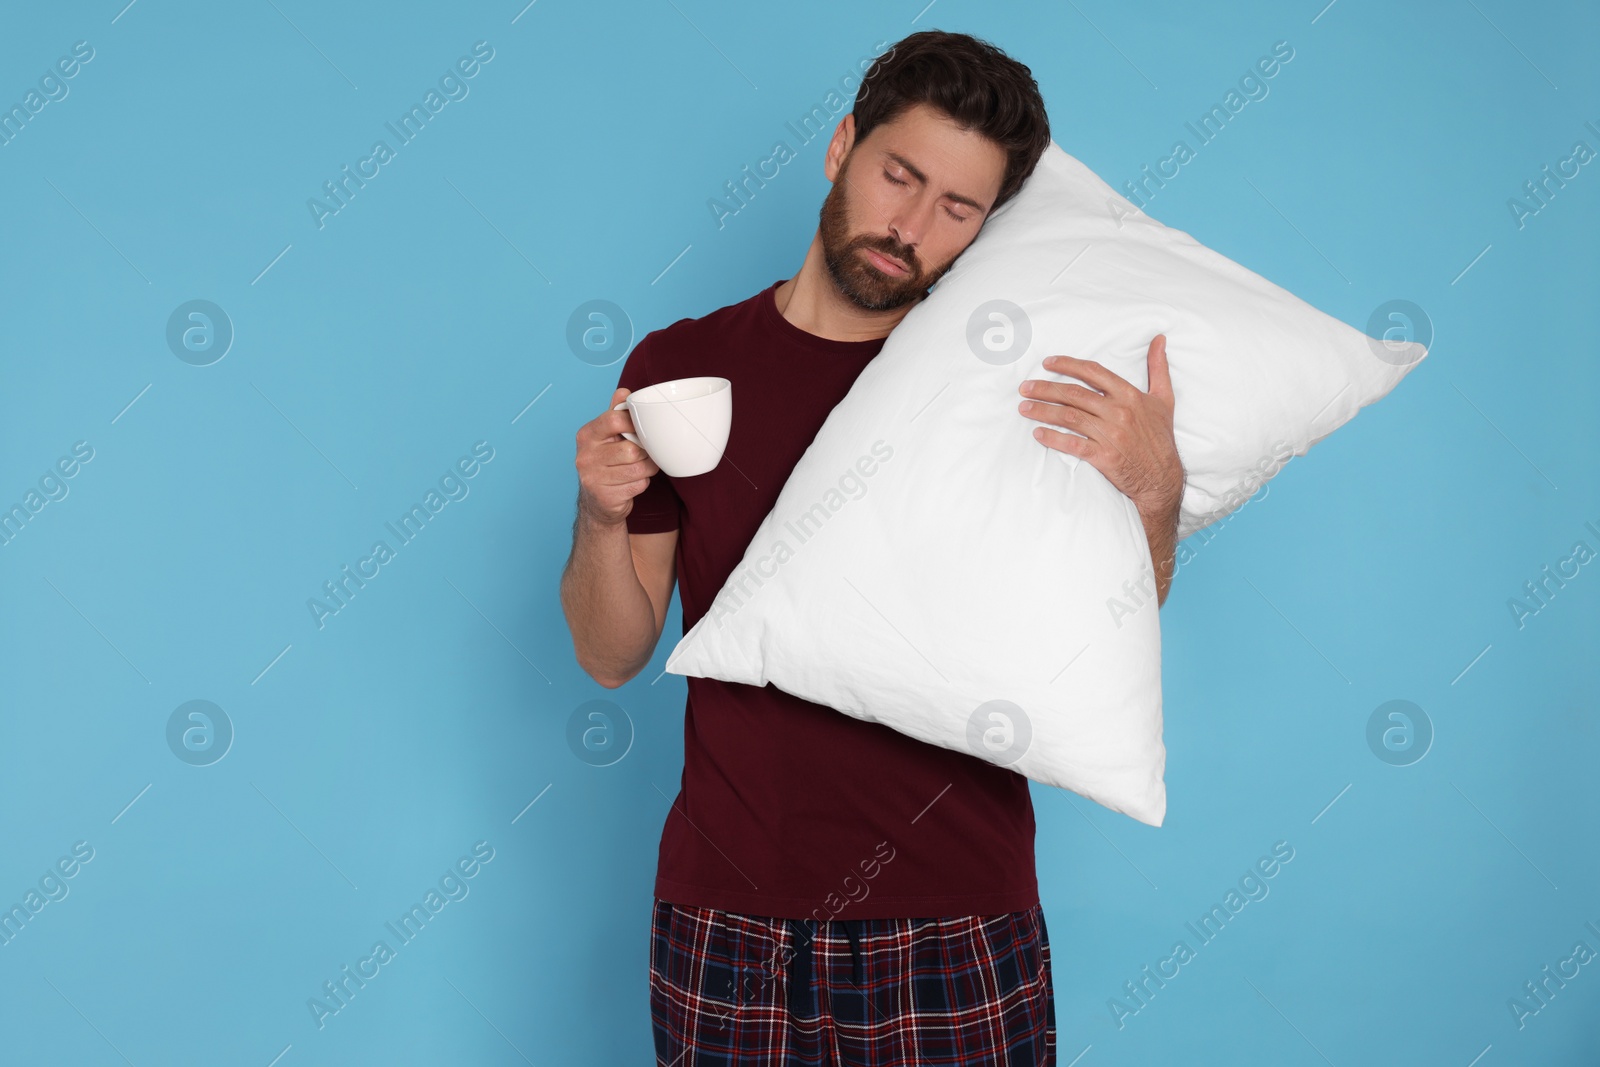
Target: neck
[{"x": 812, "y": 302}]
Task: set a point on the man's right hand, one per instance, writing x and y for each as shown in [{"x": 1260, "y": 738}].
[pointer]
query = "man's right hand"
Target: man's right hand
[{"x": 612, "y": 470}]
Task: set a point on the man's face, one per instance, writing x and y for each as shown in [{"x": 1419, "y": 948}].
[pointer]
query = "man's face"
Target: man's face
[{"x": 916, "y": 191}]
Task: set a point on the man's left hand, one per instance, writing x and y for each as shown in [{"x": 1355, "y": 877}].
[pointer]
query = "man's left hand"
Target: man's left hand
[
  {"x": 1123, "y": 431},
  {"x": 1126, "y": 433}
]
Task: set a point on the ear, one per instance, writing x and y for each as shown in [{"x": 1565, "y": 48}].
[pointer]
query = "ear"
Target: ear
[{"x": 844, "y": 136}]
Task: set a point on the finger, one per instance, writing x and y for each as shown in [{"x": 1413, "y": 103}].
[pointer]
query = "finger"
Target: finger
[
  {"x": 621, "y": 451},
  {"x": 1091, "y": 451},
  {"x": 1098, "y": 375},
  {"x": 1094, "y": 428},
  {"x": 639, "y": 458},
  {"x": 1070, "y": 443},
  {"x": 1069, "y": 393},
  {"x": 1156, "y": 361},
  {"x": 622, "y": 474},
  {"x": 1060, "y": 415},
  {"x": 609, "y": 425}
]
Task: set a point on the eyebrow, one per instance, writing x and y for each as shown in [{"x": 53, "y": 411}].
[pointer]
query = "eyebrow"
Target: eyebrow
[{"x": 923, "y": 178}]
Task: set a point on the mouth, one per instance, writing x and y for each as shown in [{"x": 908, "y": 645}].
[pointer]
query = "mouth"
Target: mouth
[{"x": 885, "y": 264}]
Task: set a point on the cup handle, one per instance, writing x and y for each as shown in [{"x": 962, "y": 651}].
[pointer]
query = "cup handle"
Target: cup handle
[{"x": 625, "y": 433}]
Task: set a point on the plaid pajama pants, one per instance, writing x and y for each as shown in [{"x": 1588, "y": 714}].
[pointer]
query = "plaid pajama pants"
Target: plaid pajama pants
[{"x": 732, "y": 990}]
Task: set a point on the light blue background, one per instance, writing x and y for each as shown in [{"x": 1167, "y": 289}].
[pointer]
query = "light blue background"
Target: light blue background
[{"x": 432, "y": 711}]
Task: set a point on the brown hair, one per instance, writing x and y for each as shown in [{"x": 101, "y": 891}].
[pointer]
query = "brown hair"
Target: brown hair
[{"x": 970, "y": 80}]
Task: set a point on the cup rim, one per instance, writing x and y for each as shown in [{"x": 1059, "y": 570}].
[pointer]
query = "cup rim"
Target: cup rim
[{"x": 718, "y": 384}]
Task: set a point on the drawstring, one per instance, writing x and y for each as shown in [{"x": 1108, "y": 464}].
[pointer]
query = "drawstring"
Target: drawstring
[
  {"x": 800, "y": 962},
  {"x": 853, "y": 935}
]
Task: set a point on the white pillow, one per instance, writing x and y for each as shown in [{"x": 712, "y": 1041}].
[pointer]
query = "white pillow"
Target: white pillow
[{"x": 930, "y": 566}]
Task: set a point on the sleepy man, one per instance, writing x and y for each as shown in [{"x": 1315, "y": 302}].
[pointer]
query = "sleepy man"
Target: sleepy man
[{"x": 829, "y": 890}]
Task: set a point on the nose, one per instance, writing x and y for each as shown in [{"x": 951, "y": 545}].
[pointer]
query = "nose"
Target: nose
[
  {"x": 909, "y": 223},
  {"x": 904, "y": 234},
  {"x": 903, "y": 249}
]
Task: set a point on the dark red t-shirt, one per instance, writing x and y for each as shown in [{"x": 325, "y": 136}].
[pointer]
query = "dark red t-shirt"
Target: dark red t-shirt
[{"x": 788, "y": 808}]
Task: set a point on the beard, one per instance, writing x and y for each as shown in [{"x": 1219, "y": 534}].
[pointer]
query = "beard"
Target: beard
[{"x": 857, "y": 278}]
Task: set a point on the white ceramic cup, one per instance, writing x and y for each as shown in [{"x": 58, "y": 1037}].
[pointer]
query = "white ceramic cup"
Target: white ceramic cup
[{"x": 683, "y": 424}]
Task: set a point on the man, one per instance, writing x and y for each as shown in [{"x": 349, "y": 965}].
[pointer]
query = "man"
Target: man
[{"x": 829, "y": 890}]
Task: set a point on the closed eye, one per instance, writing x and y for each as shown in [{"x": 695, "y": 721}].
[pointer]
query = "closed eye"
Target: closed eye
[{"x": 947, "y": 211}]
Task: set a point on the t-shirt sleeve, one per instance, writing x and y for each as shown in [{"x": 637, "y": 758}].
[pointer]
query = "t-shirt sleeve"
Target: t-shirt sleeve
[{"x": 656, "y": 510}]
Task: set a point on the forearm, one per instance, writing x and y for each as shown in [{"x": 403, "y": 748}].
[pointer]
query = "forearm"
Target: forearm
[
  {"x": 1161, "y": 531},
  {"x": 612, "y": 621}
]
